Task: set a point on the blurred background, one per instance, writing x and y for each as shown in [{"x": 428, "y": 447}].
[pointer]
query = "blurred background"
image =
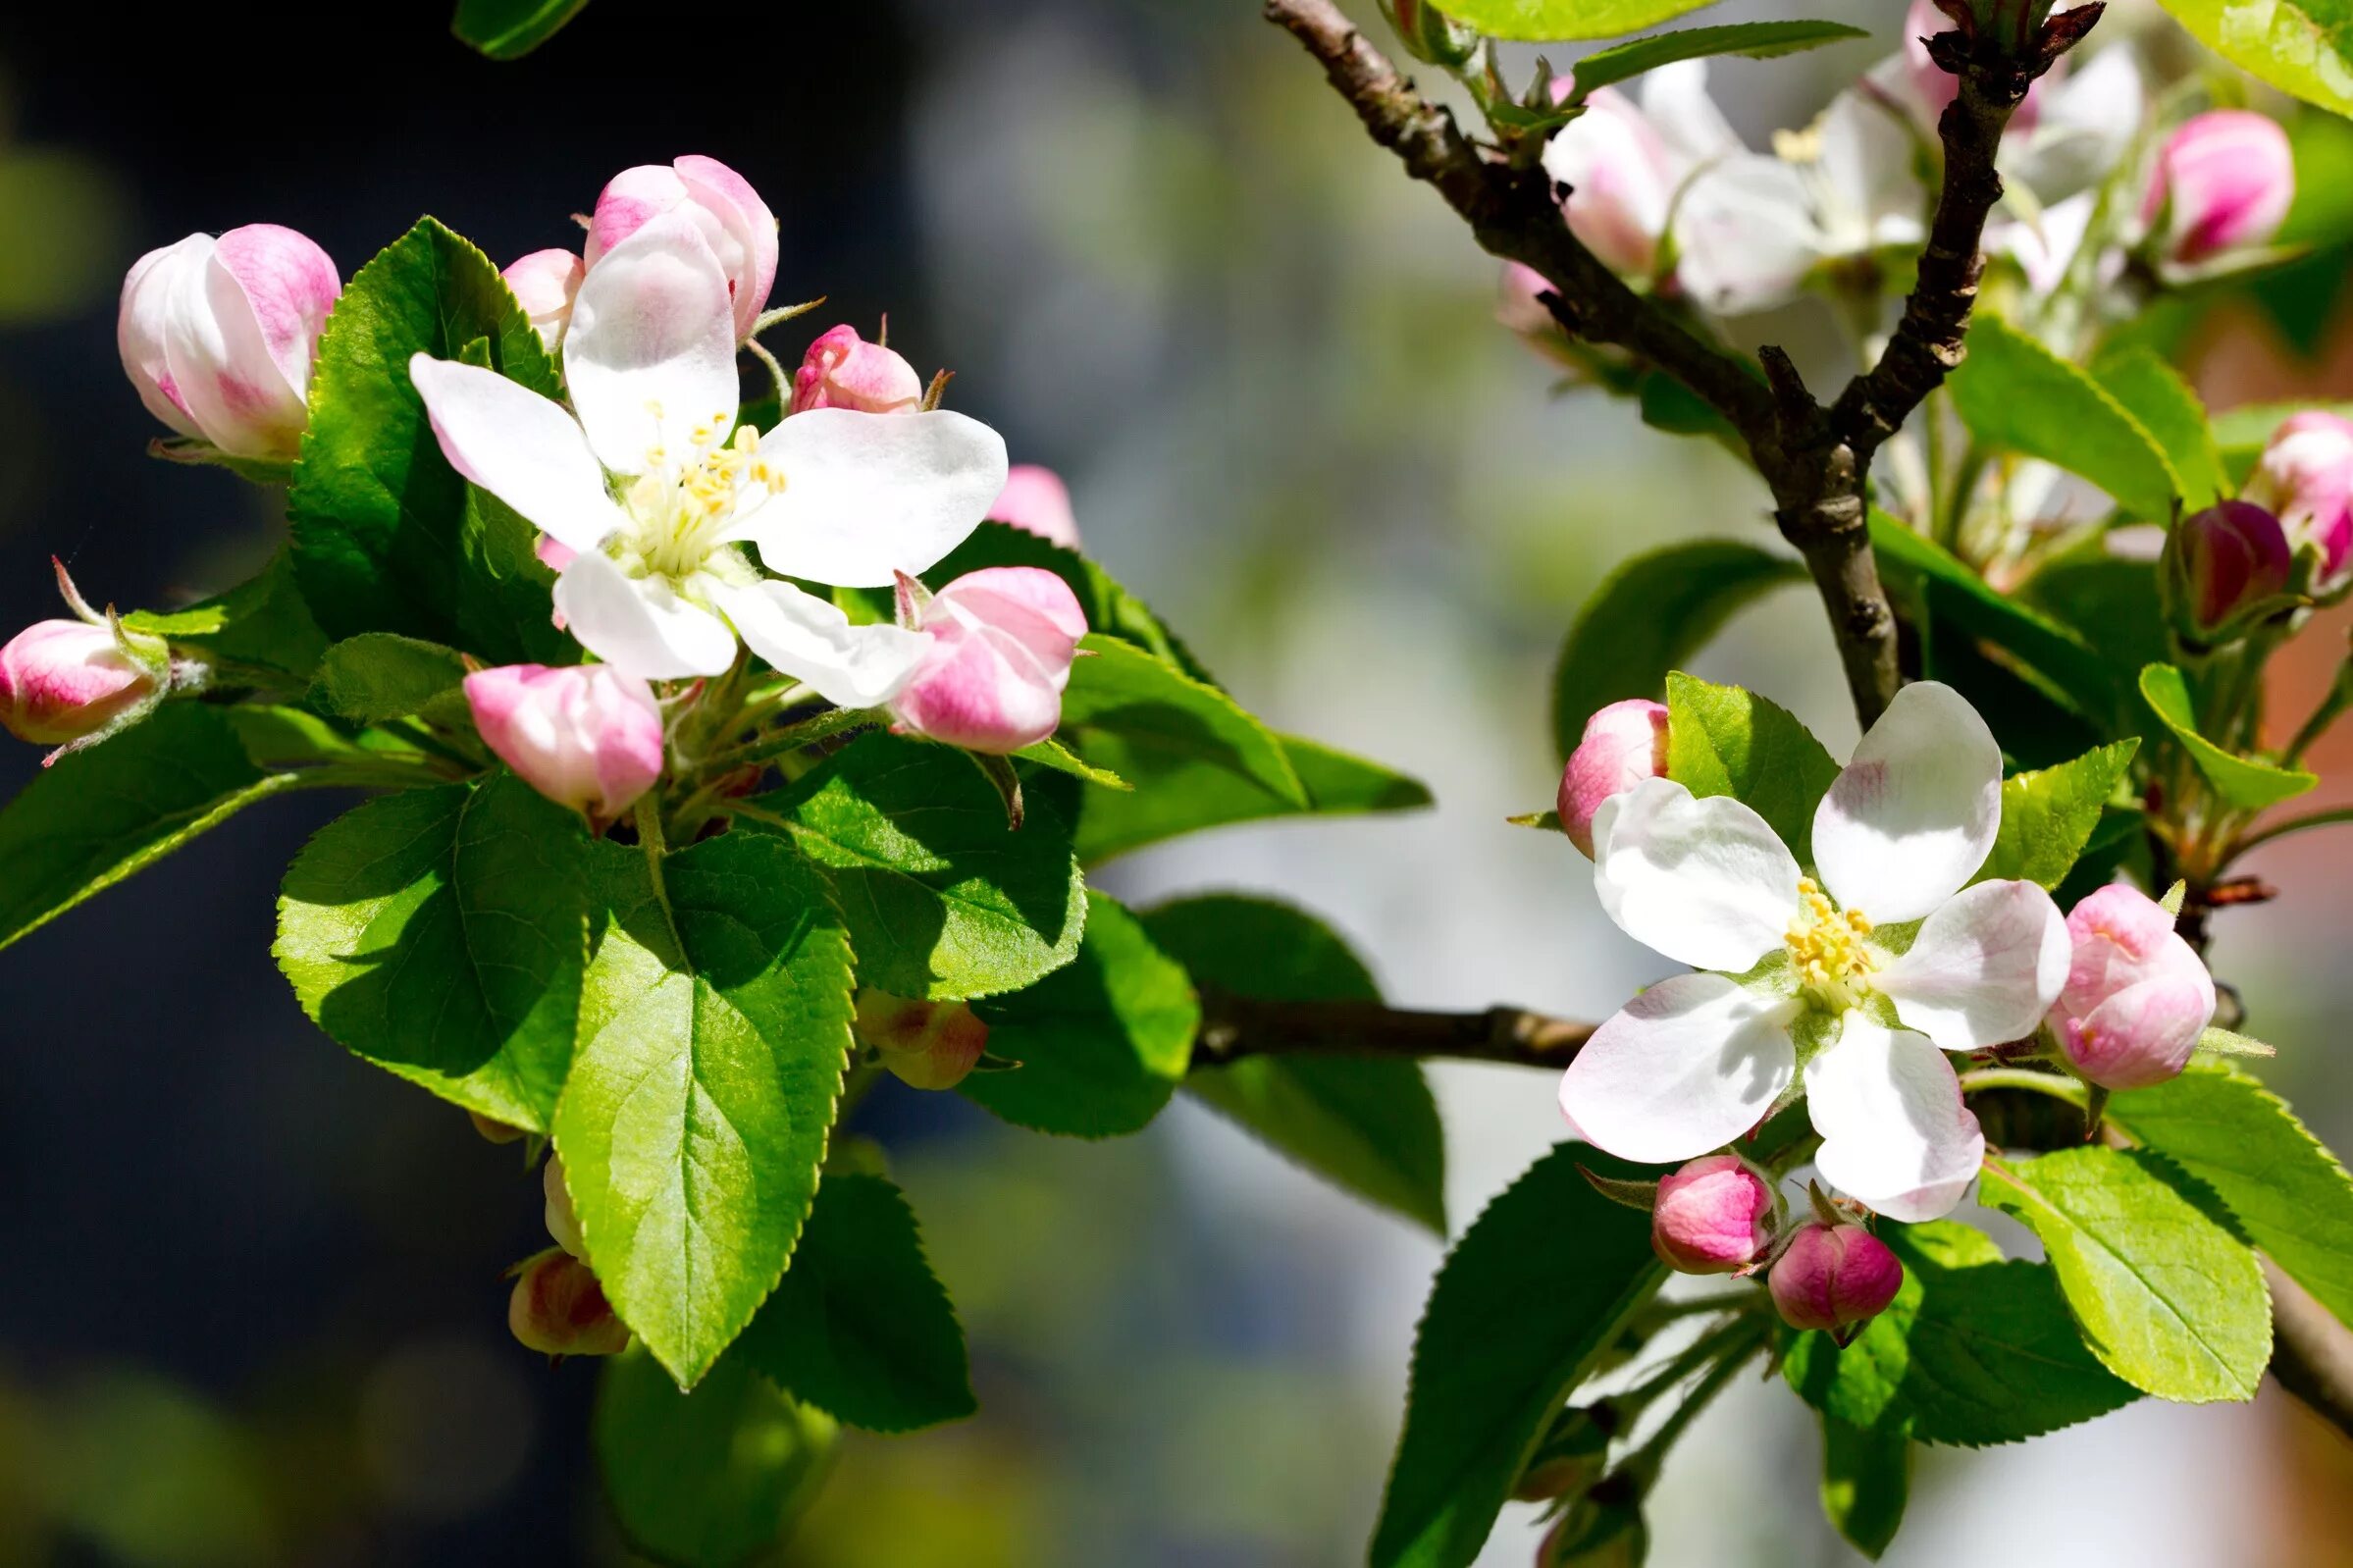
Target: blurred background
[{"x": 251, "y": 1312}]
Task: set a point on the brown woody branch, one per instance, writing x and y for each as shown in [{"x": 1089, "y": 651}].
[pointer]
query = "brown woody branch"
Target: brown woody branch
[{"x": 1233, "y": 1028}]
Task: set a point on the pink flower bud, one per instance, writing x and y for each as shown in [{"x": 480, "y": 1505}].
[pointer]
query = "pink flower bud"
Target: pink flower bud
[
  {"x": 926, "y": 1045},
  {"x": 842, "y": 370},
  {"x": 2137, "y": 996},
  {"x": 587, "y": 736},
  {"x": 741, "y": 230},
  {"x": 1624, "y": 744},
  {"x": 2225, "y": 560},
  {"x": 2306, "y": 479},
  {"x": 1519, "y": 302},
  {"x": 563, "y": 1220},
  {"x": 1714, "y": 1216},
  {"x": 1002, "y": 642},
  {"x": 1621, "y": 180},
  {"x": 2224, "y": 179},
  {"x": 217, "y": 335},
  {"x": 1036, "y": 500},
  {"x": 544, "y": 282},
  {"x": 1834, "y": 1276},
  {"x": 63, "y": 680},
  {"x": 559, "y": 1310}
]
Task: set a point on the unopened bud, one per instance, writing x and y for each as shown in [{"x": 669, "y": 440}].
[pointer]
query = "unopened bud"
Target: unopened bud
[
  {"x": 584, "y": 735},
  {"x": 1714, "y": 1216},
  {"x": 544, "y": 284},
  {"x": 1622, "y": 181},
  {"x": 62, "y": 681},
  {"x": 842, "y": 370},
  {"x": 2137, "y": 996},
  {"x": 1572, "y": 1454},
  {"x": 1002, "y": 642},
  {"x": 724, "y": 209},
  {"x": 1834, "y": 1276},
  {"x": 2224, "y": 566},
  {"x": 926, "y": 1045},
  {"x": 493, "y": 1130},
  {"x": 1429, "y": 34},
  {"x": 2305, "y": 478},
  {"x": 1624, "y": 744},
  {"x": 1596, "y": 1533},
  {"x": 563, "y": 1220},
  {"x": 558, "y": 1309},
  {"x": 2222, "y": 181},
  {"x": 1035, "y": 500}
]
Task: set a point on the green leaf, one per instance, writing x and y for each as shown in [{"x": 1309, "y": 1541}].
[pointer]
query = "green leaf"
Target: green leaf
[
  {"x": 1973, "y": 1350},
  {"x": 99, "y": 815},
  {"x": 2049, "y": 815},
  {"x": 508, "y": 29},
  {"x": 2287, "y": 1193},
  {"x": 1186, "y": 746},
  {"x": 1867, "y": 1480},
  {"x": 388, "y": 537},
  {"x": 2015, "y": 393},
  {"x": 2241, "y": 781},
  {"x": 710, "y": 1479},
  {"x": 2302, "y": 47},
  {"x": 2169, "y": 1301},
  {"x": 860, "y": 1327},
  {"x": 714, "y": 1026},
  {"x": 1722, "y": 740},
  {"x": 1339, "y": 784},
  {"x": 1971, "y": 603},
  {"x": 2109, "y": 603},
  {"x": 1753, "y": 40},
  {"x": 1052, "y": 753},
  {"x": 381, "y": 675},
  {"x": 1523, "y": 1310},
  {"x": 1366, "y": 1124},
  {"x": 441, "y": 933},
  {"x": 1649, "y": 616},
  {"x": 1546, "y": 20},
  {"x": 261, "y": 623},
  {"x": 2153, "y": 393},
  {"x": 1102, "y": 1042},
  {"x": 942, "y": 899}
]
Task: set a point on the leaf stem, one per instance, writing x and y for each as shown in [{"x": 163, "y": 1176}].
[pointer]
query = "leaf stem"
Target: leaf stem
[
  {"x": 823, "y": 726},
  {"x": 2070, "y": 1090}
]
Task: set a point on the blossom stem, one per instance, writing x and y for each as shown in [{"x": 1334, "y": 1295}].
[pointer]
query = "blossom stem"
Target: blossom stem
[
  {"x": 2293, "y": 825},
  {"x": 2070, "y": 1090},
  {"x": 1731, "y": 1347},
  {"x": 790, "y": 738}
]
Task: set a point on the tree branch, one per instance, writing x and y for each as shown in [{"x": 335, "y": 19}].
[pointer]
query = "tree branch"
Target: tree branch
[
  {"x": 2312, "y": 1352},
  {"x": 1233, "y": 1028}
]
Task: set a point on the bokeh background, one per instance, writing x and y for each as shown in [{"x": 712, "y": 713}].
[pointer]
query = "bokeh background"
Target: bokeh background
[{"x": 251, "y": 1311}]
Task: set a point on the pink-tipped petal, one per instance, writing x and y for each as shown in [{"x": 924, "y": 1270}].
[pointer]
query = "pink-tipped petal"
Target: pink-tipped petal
[{"x": 1036, "y": 500}]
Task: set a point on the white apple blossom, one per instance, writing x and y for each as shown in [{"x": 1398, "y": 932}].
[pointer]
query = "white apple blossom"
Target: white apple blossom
[
  {"x": 1851, "y": 988},
  {"x": 646, "y": 477}
]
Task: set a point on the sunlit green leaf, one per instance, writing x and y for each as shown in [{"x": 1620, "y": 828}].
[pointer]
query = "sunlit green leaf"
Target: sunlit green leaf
[
  {"x": 2302, "y": 47},
  {"x": 2243, "y": 781}
]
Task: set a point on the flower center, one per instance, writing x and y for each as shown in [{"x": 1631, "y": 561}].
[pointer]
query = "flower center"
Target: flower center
[
  {"x": 1826, "y": 947},
  {"x": 682, "y": 510}
]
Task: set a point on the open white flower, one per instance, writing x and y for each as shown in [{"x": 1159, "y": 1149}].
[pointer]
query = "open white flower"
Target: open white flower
[
  {"x": 647, "y": 478},
  {"x": 1862, "y": 982}
]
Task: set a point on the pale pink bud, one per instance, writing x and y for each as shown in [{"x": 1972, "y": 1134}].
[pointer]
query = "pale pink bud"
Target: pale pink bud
[
  {"x": 1714, "y": 1216},
  {"x": 558, "y": 1309},
  {"x": 63, "y": 680},
  {"x": 1624, "y": 744},
  {"x": 1834, "y": 1276},
  {"x": 1519, "y": 300},
  {"x": 2224, "y": 179},
  {"x": 2227, "y": 561},
  {"x": 218, "y": 335},
  {"x": 1035, "y": 498},
  {"x": 926, "y": 1045},
  {"x": 1621, "y": 180},
  {"x": 1002, "y": 642},
  {"x": 2305, "y": 478},
  {"x": 586, "y": 736},
  {"x": 842, "y": 370},
  {"x": 544, "y": 282},
  {"x": 737, "y": 224},
  {"x": 563, "y": 1220},
  {"x": 2137, "y": 996}
]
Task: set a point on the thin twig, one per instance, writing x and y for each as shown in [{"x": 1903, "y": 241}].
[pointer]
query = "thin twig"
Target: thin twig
[{"x": 1233, "y": 1028}]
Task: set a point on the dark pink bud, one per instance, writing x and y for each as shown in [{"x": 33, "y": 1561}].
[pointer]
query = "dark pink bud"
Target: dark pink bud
[
  {"x": 926, "y": 1045},
  {"x": 2229, "y": 557},
  {"x": 2224, "y": 180},
  {"x": 1834, "y": 1276},
  {"x": 1714, "y": 1216},
  {"x": 1624, "y": 744},
  {"x": 842, "y": 370},
  {"x": 559, "y": 1310}
]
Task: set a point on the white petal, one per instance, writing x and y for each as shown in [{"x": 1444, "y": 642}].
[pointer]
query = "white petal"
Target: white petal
[
  {"x": 1686, "y": 1067},
  {"x": 649, "y": 356},
  {"x": 1912, "y": 815},
  {"x": 1895, "y": 1132},
  {"x": 1745, "y": 235},
  {"x": 639, "y": 625},
  {"x": 868, "y": 496},
  {"x": 810, "y": 639},
  {"x": 1984, "y": 969},
  {"x": 2087, "y": 125},
  {"x": 1867, "y": 167},
  {"x": 1703, "y": 881},
  {"x": 1675, "y": 100},
  {"x": 520, "y": 446}
]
